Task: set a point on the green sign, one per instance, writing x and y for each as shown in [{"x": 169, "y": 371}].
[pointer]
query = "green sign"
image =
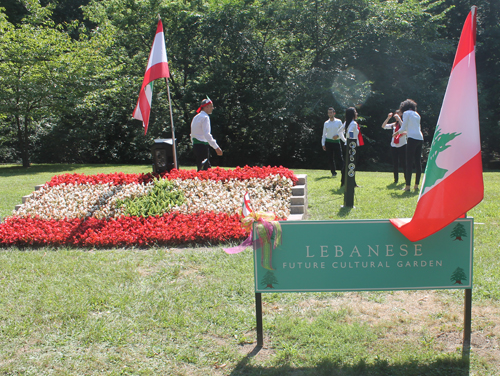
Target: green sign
[{"x": 364, "y": 255}]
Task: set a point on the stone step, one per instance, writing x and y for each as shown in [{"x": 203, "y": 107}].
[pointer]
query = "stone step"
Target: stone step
[
  {"x": 302, "y": 179},
  {"x": 298, "y": 200},
  {"x": 297, "y": 209},
  {"x": 299, "y": 190}
]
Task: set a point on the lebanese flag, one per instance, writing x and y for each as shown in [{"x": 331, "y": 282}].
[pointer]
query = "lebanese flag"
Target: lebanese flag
[
  {"x": 157, "y": 68},
  {"x": 453, "y": 180},
  {"x": 246, "y": 209}
]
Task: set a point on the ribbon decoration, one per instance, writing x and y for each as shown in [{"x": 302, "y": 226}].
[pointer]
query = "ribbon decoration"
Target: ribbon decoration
[
  {"x": 360, "y": 137},
  {"x": 204, "y": 105},
  {"x": 266, "y": 237},
  {"x": 396, "y": 138}
]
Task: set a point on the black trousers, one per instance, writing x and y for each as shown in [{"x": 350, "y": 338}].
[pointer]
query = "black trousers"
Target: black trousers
[
  {"x": 413, "y": 156},
  {"x": 334, "y": 154},
  {"x": 398, "y": 155},
  {"x": 202, "y": 154}
]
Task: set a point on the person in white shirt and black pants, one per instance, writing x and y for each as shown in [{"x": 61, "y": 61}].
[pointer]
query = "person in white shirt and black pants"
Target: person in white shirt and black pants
[
  {"x": 201, "y": 136},
  {"x": 330, "y": 141},
  {"x": 411, "y": 125},
  {"x": 398, "y": 144}
]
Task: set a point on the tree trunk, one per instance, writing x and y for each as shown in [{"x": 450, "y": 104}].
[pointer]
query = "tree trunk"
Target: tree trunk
[{"x": 23, "y": 139}]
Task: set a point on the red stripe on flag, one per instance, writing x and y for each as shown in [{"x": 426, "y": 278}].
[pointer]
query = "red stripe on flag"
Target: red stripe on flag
[
  {"x": 145, "y": 109},
  {"x": 467, "y": 39},
  {"x": 445, "y": 202},
  {"x": 157, "y": 71}
]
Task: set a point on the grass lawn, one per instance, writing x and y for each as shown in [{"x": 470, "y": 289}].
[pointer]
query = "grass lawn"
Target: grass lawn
[{"x": 191, "y": 311}]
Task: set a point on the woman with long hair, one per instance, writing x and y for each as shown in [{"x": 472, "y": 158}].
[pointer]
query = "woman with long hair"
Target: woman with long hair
[
  {"x": 415, "y": 140},
  {"x": 398, "y": 143},
  {"x": 352, "y": 131}
]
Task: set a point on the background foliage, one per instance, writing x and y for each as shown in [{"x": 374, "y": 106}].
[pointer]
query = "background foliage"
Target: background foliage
[{"x": 70, "y": 72}]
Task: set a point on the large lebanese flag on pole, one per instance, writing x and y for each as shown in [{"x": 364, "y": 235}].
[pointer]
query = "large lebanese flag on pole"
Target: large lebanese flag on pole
[
  {"x": 157, "y": 68},
  {"x": 453, "y": 181}
]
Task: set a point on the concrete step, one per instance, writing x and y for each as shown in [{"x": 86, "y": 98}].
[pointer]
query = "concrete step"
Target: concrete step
[
  {"x": 302, "y": 179},
  {"x": 297, "y": 209},
  {"x": 298, "y": 201},
  {"x": 299, "y": 190}
]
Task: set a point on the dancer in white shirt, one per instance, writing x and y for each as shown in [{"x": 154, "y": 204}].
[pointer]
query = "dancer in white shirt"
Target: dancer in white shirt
[
  {"x": 201, "y": 136},
  {"x": 331, "y": 143}
]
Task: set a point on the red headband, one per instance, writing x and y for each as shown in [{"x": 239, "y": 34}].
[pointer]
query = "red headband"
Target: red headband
[{"x": 203, "y": 105}]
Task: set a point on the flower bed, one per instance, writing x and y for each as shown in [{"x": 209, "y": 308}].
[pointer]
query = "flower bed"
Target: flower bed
[{"x": 83, "y": 210}]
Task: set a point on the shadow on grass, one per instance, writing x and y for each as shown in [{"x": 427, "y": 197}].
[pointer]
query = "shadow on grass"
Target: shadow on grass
[
  {"x": 404, "y": 194},
  {"x": 397, "y": 186},
  {"x": 335, "y": 367},
  {"x": 344, "y": 211},
  {"x": 328, "y": 177}
]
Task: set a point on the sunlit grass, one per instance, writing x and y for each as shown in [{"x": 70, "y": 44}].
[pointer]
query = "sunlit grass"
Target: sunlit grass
[{"x": 190, "y": 311}]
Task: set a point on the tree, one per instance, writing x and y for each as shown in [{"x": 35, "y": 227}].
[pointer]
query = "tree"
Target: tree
[
  {"x": 458, "y": 232},
  {"x": 269, "y": 279},
  {"x": 458, "y": 276},
  {"x": 42, "y": 74}
]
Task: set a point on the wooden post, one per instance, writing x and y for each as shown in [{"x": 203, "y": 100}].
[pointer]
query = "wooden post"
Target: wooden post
[
  {"x": 174, "y": 143},
  {"x": 467, "y": 324},
  {"x": 258, "y": 314}
]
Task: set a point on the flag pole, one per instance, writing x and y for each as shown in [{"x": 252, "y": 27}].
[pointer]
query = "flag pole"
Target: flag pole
[{"x": 174, "y": 144}]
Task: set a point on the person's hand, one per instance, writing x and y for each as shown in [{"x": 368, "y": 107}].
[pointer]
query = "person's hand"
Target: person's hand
[
  {"x": 389, "y": 115},
  {"x": 335, "y": 137},
  {"x": 324, "y": 147},
  {"x": 218, "y": 151},
  {"x": 396, "y": 116}
]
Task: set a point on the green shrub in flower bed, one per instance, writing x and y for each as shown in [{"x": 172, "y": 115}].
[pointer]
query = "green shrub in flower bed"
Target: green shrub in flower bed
[{"x": 160, "y": 200}]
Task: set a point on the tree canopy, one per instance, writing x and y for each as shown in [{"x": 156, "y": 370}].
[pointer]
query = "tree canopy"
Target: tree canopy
[{"x": 71, "y": 72}]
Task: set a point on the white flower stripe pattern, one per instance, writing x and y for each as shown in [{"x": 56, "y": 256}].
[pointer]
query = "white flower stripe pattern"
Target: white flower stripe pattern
[{"x": 270, "y": 194}]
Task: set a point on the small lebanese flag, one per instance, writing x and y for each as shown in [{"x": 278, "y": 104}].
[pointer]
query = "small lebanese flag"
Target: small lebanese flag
[
  {"x": 246, "y": 210},
  {"x": 157, "y": 68},
  {"x": 453, "y": 181}
]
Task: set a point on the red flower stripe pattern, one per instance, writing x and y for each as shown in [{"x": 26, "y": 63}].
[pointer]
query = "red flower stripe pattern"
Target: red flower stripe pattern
[
  {"x": 168, "y": 230},
  {"x": 217, "y": 173}
]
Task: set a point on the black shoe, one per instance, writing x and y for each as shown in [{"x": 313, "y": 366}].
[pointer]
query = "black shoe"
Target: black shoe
[
  {"x": 334, "y": 174},
  {"x": 204, "y": 164}
]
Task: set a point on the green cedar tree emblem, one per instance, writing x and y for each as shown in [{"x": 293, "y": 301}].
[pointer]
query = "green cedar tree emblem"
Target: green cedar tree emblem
[
  {"x": 269, "y": 279},
  {"x": 440, "y": 143},
  {"x": 458, "y": 276},
  {"x": 458, "y": 232}
]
